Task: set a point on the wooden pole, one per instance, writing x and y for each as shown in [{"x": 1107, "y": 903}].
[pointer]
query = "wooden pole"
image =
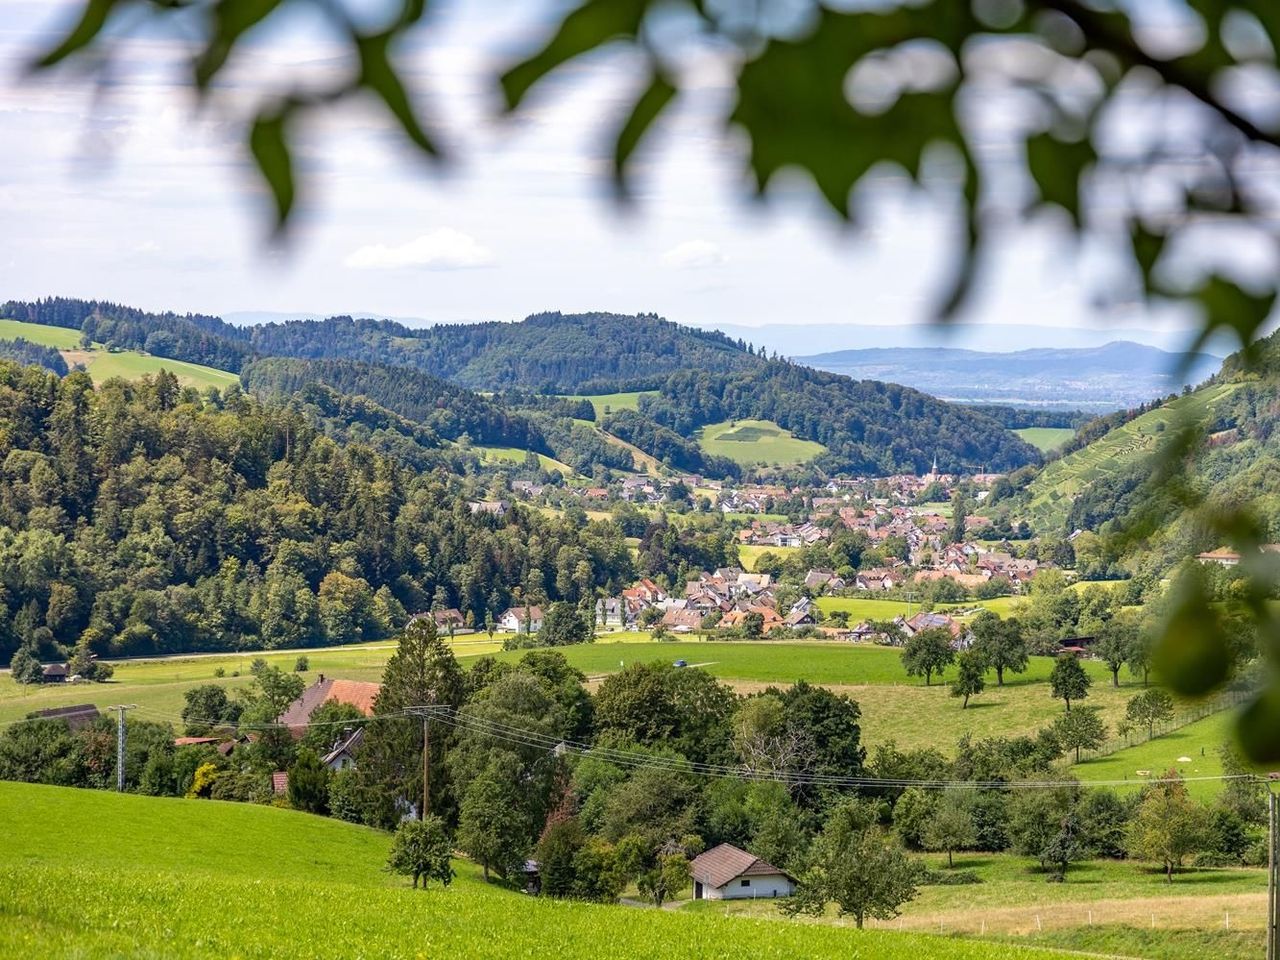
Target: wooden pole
[
  {"x": 426, "y": 765},
  {"x": 1271, "y": 876}
]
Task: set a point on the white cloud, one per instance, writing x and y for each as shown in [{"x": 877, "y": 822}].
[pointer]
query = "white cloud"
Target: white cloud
[
  {"x": 695, "y": 255},
  {"x": 441, "y": 249}
]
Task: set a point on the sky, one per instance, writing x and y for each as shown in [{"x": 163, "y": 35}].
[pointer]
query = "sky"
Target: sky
[{"x": 131, "y": 193}]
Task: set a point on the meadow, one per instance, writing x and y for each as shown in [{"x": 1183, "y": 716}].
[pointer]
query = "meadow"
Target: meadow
[
  {"x": 757, "y": 441},
  {"x": 1045, "y": 439},
  {"x": 516, "y": 455},
  {"x": 605, "y": 403},
  {"x": 748, "y": 554},
  {"x": 874, "y": 608},
  {"x": 102, "y": 365},
  {"x": 1113, "y": 908},
  {"x": 198, "y": 878}
]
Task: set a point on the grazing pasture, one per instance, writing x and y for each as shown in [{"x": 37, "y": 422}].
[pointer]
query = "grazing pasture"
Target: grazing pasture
[
  {"x": 1045, "y": 439},
  {"x": 605, "y": 403},
  {"x": 757, "y": 441}
]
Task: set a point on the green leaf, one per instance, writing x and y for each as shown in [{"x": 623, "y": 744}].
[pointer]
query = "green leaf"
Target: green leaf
[
  {"x": 1258, "y": 727},
  {"x": 1057, "y": 166},
  {"x": 92, "y": 19},
  {"x": 592, "y": 25},
  {"x": 270, "y": 147},
  {"x": 1147, "y": 248},
  {"x": 1191, "y": 655},
  {"x": 1227, "y": 306},
  {"x": 379, "y": 75},
  {"x": 652, "y": 101},
  {"x": 231, "y": 19}
]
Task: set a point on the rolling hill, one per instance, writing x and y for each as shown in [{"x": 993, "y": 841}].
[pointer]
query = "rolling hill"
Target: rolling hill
[
  {"x": 187, "y": 878},
  {"x": 1114, "y": 376}
]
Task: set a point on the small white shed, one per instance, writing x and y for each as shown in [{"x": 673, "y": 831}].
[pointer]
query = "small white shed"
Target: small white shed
[{"x": 727, "y": 873}]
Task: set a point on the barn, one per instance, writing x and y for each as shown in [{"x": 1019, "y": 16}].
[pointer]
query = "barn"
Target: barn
[{"x": 727, "y": 873}]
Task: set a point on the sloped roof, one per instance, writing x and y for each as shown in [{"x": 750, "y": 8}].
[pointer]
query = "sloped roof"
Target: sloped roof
[
  {"x": 726, "y": 863},
  {"x": 77, "y": 716},
  {"x": 360, "y": 694}
]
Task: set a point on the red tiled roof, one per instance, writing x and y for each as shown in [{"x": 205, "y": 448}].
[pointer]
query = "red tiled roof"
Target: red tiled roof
[{"x": 358, "y": 693}]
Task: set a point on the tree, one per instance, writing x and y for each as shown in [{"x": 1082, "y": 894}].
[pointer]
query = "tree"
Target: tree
[
  {"x": 853, "y": 864},
  {"x": 665, "y": 879},
  {"x": 492, "y": 827},
  {"x": 928, "y": 652},
  {"x": 421, "y": 849},
  {"x": 25, "y": 666},
  {"x": 564, "y": 625},
  {"x": 1080, "y": 729},
  {"x": 1044, "y": 823},
  {"x": 959, "y": 510},
  {"x": 969, "y": 680},
  {"x": 951, "y": 826},
  {"x": 1000, "y": 643},
  {"x": 207, "y": 706},
  {"x": 308, "y": 783},
  {"x": 1169, "y": 826},
  {"x": 1114, "y": 645},
  {"x": 559, "y": 846},
  {"x": 1068, "y": 680},
  {"x": 1150, "y": 707}
]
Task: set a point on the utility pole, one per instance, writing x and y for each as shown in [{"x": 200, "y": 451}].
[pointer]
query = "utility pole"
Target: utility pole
[
  {"x": 120, "y": 711},
  {"x": 426, "y": 766},
  {"x": 1273, "y": 876}
]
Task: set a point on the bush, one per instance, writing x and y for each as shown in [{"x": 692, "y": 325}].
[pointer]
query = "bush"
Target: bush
[
  {"x": 421, "y": 849},
  {"x": 949, "y": 878},
  {"x": 301, "y": 665}
]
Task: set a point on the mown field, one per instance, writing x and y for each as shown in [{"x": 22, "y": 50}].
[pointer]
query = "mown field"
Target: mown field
[
  {"x": 894, "y": 706},
  {"x": 748, "y": 554},
  {"x": 516, "y": 455},
  {"x": 1104, "y": 907},
  {"x": 91, "y": 874},
  {"x": 872, "y": 608},
  {"x": 757, "y": 441},
  {"x": 1048, "y": 499},
  {"x": 101, "y": 365},
  {"x": 1046, "y": 438}
]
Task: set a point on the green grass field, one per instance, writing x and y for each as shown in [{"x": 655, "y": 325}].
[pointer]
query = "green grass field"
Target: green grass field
[
  {"x": 127, "y": 364},
  {"x": 1046, "y": 438},
  {"x": 90, "y": 874},
  {"x": 757, "y": 441},
  {"x": 1047, "y": 500},
  {"x": 871, "y": 608},
  {"x": 61, "y": 337},
  {"x": 516, "y": 455},
  {"x": 1108, "y": 908},
  {"x": 749, "y": 554},
  {"x": 613, "y": 402}
]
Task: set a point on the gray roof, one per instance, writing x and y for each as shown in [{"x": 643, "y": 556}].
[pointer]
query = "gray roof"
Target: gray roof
[{"x": 726, "y": 863}]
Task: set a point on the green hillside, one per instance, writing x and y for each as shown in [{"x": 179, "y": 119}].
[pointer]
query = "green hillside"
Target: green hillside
[
  {"x": 103, "y": 365},
  {"x": 757, "y": 441},
  {"x": 606, "y": 403},
  {"x": 1048, "y": 499},
  {"x": 90, "y": 874},
  {"x": 1046, "y": 438}
]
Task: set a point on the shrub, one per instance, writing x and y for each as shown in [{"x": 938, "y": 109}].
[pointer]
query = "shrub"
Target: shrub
[
  {"x": 301, "y": 665},
  {"x": 421, "y": 850}
]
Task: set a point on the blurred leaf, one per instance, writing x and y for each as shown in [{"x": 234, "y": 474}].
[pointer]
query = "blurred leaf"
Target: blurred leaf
[
  {"x": 93, "y": 17},
  {"x": 379, "y": 75},
  {"x": 1057, "y": 166},
  {"x": 270, "y": 147},
  {"x": 591, "y": 25},
  {"x": 1147, "y": 248},
  {"x": 1258, "y": 726},
  {"x": 231, "y": 19},
  {"x": 1191, "y": 655},
  {"x": 651, "y": 102},
  {"x": 1229, "y": 307}
]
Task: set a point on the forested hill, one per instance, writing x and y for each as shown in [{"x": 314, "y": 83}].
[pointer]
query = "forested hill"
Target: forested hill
[
  {"x": 1109, "y": 485},
  {"x": 448, "y": 410},
  {"x": 547, "y": 352},
  {"x": 867, "y": 426},
  {"x": 141, "y": 518}
]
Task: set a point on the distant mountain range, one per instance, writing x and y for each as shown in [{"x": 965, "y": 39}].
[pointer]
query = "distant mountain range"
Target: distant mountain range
[{"x": 1116, "y": 375}]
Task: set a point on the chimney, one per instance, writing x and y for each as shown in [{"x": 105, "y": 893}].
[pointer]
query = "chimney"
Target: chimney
[{"x": 321, "y": 680}]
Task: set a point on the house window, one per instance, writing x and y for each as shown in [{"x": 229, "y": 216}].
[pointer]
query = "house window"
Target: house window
[{"x": 746, "y": 883}]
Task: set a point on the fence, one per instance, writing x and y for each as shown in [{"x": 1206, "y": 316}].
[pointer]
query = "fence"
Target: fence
[{"x": 1183, "y": 717}]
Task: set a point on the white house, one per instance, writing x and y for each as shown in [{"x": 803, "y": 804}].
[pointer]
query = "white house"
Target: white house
[
  {"x": 727, "y": 873},
  {"x": 521, "y": 620}
]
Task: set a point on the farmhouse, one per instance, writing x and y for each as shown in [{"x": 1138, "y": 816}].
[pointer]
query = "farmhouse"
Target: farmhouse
[
  {"x": 54, "y": 673},
  {"x": 355, "y": 692},
  {"x": 727, "y": 873},
  {"x": 521, "y": 620}
]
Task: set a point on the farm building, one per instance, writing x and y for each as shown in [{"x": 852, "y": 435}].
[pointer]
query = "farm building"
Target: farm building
[
  {"x": 355, "y": 692},
  {"x": 521, "y": 620},
  {"x": 77, "y": 717},
  {"x": 727, "y": 873}
]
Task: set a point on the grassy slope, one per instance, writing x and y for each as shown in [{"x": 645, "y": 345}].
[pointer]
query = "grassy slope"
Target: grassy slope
[
  {"x": 129, "y": 364},
  {"x": 757, "y": 441},
  {"x": 748, "y": 555},
  {"x": 516, "y": 455},
  {"x": 1049, "y": 497},
  {"x": 1046, "y": 438},
  {"x": 179, "y": 878}
]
